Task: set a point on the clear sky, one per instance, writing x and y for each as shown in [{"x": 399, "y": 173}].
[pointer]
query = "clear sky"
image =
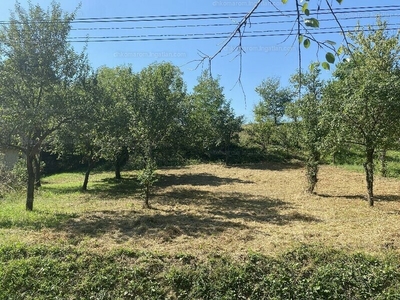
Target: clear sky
[{"x": 274, "y": 54}]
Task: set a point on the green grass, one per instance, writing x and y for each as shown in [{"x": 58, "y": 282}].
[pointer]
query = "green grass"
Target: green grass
[
  {"x": 36, "y": 272},
  {"x": 356, "y": 164},
  {"x": 58, "y": 200},
  {"x": 55, "y": 267}
]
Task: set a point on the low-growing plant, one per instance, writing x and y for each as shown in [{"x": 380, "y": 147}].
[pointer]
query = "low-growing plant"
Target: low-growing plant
[
  {"x": 11, "y": 179},
  {"x": 147, "y": 177},
  {"x": 306, "y": 272}
]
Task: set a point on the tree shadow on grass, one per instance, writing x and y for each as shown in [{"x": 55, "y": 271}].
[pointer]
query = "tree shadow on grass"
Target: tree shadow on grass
[
  {"x": 346, "y": 197},
  {"x": 380, "y": 198},
  {"x": 37, "y": 220},
  {"x": 109, "y": 188},
  {"x": 272, "y": 166},
  {"x": 196, "y": 180},
  {"x": 112, "y": 188},
  {"x": 217, "y": 213},
  {"x": 127, "y": 225},
  {"x": 233, "y": 206}
]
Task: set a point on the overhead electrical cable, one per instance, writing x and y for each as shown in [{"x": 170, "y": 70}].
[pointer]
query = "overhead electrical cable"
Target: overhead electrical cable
[{"x": 188, "y": 25}]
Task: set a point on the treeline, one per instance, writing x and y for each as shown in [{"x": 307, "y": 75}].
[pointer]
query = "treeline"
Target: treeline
[{"x": 51, "y": 99}]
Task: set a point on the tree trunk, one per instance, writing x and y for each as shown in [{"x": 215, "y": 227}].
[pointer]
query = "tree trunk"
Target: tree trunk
[
  {"x": 312, "y": 168},
  {"x": 121, "y": 159},
  {"x": 117, "y": 170},
  {"x": 227, "y": 151},
  {"x": 36, "y": 161},
  {"x": 369, "y": 175},
  {"x": 383, "y": 162},
  {"x": 147, "y": 196},
  {"x": 86, "y": 180},
  {"x": 30, "y": 191}
]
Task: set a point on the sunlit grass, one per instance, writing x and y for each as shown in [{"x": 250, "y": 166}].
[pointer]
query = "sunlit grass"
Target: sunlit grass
[
  {"x": 210, "y": 215},
  {"x": 393, "y": 165},
  {"x": 203, "y": 208}
]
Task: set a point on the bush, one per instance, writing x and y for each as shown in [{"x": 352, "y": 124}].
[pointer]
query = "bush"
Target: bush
[{"x": 11, "y": 180}]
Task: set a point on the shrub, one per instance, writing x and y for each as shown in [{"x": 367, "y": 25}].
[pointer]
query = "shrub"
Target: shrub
[{"x": 11, "y": 180}]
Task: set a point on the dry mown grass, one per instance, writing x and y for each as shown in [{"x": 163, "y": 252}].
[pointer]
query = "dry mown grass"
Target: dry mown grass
[{"x": 211, "y": 208}]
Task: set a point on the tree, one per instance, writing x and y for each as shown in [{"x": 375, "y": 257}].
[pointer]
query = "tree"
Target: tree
[
  {"x": 268, "y": 114},
  {"x": 83, "y": 136},
  {"x": 155, "y": 116},
  {"x": 274, "y": 100},
  {"x": 363, "y": 99},
  {"x": 120, "y": 88},
  {"x": 211, "y": 122},
  {"x": 38, "y": 68},
  {"x": 228, "y": 128},
  {"x": 206, "y": 101},
  {"x": 310, "y": 111},
  {"x": 260, "y": 133}
]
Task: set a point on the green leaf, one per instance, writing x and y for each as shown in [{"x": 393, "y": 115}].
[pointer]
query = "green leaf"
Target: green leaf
[
  {"x": 339, "y": 1},
  {"x": 314, "y": 65},
  {"x": 305, "y": 7},
  {"x": 306, "y": 43},
  {"x": 330, "y": 42},
  {"x": 284, "y": 1},
  {"x": 307, "y": 12},
  {"x": 326, "y": 66},
  {"x": 301, "y": 37},
  {"x": 312, "y": 22},
  {"x": 340, "y": 50},
  {"x": 330, "y": 58}
]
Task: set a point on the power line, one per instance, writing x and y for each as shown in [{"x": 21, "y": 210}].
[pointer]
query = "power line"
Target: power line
[
  {"x": 342, "y": 13},
  {"x": 256, "y": 14},
  {"x": 208, "y": 16},
  {"x": 180, "y": 19},
  {"x": 208, "y": 36},
  {"x": 210, "y": 24}
]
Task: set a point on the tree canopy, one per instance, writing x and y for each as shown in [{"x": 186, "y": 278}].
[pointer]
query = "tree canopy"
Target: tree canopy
[
  {"x": 362, "y": 100},
  {"x": 41, "y": 79}
]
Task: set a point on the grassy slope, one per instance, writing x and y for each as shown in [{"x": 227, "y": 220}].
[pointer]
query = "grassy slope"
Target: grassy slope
[
  {"x": 354, "y": 162},
  {"x": 203, "y": 216}
]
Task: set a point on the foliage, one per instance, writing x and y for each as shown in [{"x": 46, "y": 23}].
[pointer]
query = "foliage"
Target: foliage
[
  {"x": 211, "y": 123},
  {"x": 40, "y": 76},
  {"x": 362, "y": 102},
  {"x": 119, "y": 87},
  {"x": 155, "y": 116},
  {"x": 11, "y": 180},
  {"x": 310, "y": 111},
  {"x": 274, "y": 100},
  {"x": 306, "y": 272},
  {"x": 147, "y": 177},
  {"x": 269, "y": 129},
  {"x": 82, "y": 137}
]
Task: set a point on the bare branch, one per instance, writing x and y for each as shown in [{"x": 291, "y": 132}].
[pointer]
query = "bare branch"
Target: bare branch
[
  {"x": 340, "y": 26},
  {"x": 237, "y": 30}
]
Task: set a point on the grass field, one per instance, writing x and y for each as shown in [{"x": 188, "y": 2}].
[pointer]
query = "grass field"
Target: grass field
[{"x": 204, "y": 211}]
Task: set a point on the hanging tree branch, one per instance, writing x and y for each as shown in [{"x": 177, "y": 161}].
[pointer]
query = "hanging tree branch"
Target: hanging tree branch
[
  {"x": 303, "y": 35},
  {"x": 241, "y": 24}
]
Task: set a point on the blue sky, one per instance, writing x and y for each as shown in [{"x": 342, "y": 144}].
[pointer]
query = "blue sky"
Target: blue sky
[{"x": 269, "y": 56}]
